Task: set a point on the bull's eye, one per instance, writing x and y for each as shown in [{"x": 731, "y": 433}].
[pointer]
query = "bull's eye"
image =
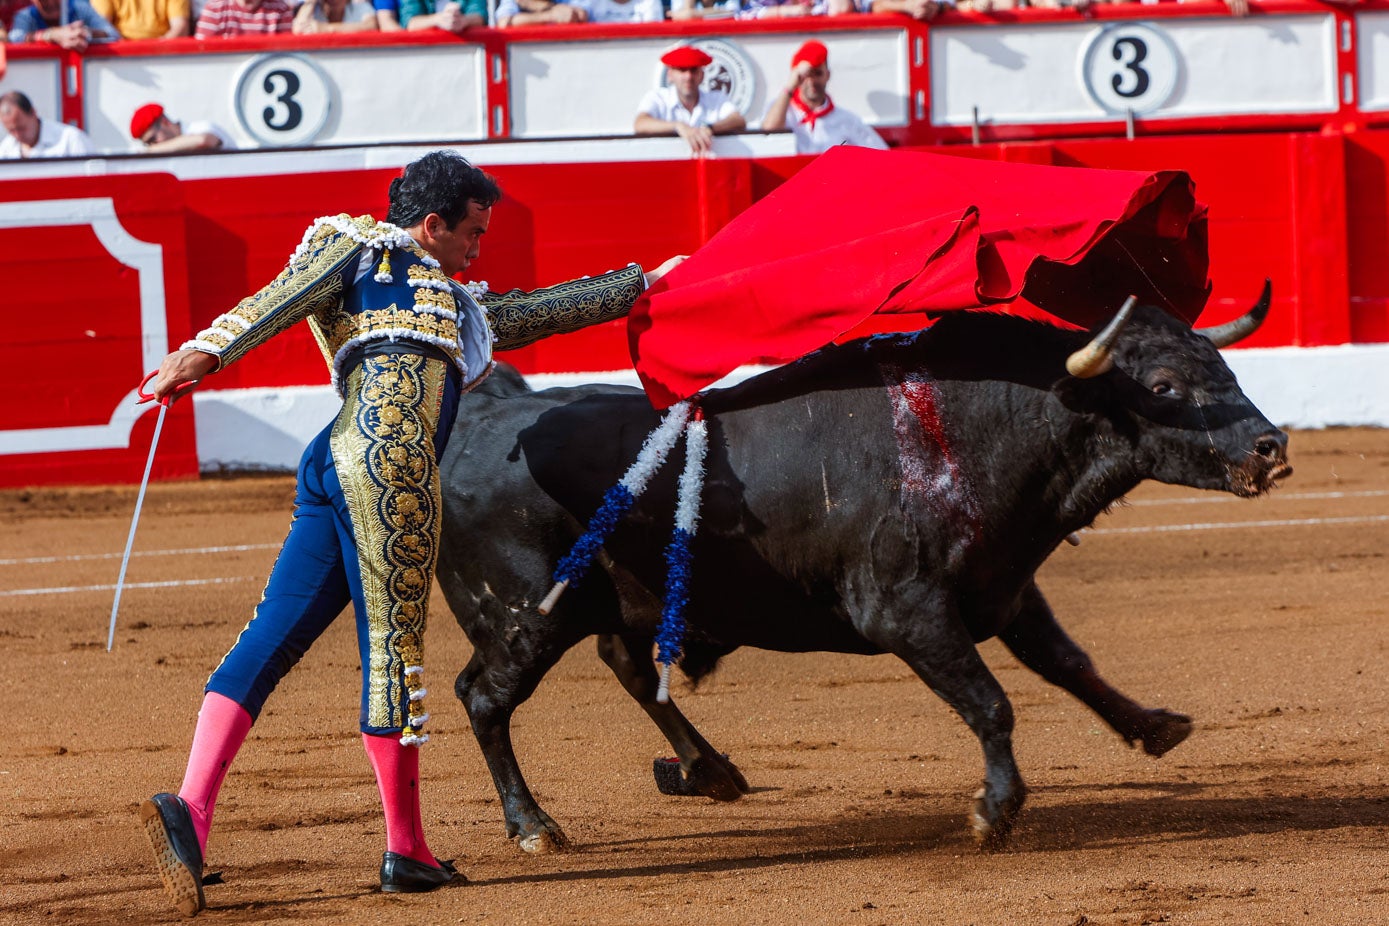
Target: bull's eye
[{"x": 1165, "y": 383}]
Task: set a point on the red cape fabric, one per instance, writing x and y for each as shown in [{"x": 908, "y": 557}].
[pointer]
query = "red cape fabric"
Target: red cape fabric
[{"x": 859, "y": 231}]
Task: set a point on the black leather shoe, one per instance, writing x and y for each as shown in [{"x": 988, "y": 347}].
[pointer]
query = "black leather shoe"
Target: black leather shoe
[
  {"x": 177, "y": 856},
  {"x": 401, "y": 874}
]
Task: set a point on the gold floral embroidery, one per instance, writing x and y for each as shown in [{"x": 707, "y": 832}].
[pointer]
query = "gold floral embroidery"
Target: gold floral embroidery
[{"x": 383, "y": 447}]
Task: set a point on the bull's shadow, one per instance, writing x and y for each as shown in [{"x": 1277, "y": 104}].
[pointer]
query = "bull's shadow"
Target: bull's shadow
[{"x": 1163, "y": 813}]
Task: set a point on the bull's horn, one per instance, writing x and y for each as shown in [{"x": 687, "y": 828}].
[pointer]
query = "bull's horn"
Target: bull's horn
[
  {"x": 1094, "y": 359},
  {"x": 1242, "y": 327}
]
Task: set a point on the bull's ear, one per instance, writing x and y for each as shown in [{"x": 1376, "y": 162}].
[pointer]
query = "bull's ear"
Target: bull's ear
[
  {"x": 1242, "y": 327},
  {"x": 1095, "y": 358}
]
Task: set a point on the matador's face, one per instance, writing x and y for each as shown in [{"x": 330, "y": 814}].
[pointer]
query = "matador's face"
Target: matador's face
[{"x": 456, "y": 248}]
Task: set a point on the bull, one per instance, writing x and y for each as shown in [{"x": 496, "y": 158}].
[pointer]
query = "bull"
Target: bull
[{"x": 895, "y": 494}]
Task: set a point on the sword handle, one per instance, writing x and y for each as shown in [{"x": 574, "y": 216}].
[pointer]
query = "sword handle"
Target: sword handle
[
  {"x": 149, "y": 396},
  {"x": 168, "y": 399}
]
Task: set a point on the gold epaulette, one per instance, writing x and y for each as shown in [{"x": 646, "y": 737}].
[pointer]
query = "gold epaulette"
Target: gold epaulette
[{"x": 311, "y": 283}]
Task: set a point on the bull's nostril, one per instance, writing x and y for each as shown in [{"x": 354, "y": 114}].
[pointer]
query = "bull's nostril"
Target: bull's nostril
[{"x": 1268, "y": 447}]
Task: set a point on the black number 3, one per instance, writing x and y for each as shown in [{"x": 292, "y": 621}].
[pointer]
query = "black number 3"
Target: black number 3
[
  {"x": 288, "y": 83},
  {"x": 1138, "y": 52}
]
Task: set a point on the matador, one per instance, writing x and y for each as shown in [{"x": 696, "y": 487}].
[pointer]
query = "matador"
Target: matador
[{"x": 403, "y": 340}]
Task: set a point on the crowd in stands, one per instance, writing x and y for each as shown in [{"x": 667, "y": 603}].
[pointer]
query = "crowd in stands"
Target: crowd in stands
[{"x": 73, "y": 24}]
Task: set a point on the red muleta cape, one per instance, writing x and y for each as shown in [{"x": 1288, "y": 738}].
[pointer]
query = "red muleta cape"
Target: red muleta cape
[{"x": 858, "y": 232}]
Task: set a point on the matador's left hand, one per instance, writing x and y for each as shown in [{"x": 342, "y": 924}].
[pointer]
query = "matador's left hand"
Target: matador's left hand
[{"x": 653, "y": 275}]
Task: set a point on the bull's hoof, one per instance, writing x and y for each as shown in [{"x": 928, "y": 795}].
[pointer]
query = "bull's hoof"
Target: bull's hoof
[
  {"x": 710, "y": 776},
  {"x": 543, "y": 842},
  {"x": 1164, "y": 731},
  {"x": 993, "y": 820}
]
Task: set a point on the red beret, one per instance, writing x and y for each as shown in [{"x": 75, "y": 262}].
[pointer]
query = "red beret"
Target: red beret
[
  {"x": 812, "y": 53},
  {"x": 686, "y": 56},
  {"x": 144, "y": 117}
]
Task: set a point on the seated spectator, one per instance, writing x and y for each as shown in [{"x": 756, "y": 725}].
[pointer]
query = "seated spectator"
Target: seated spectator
[
  {"x": 705, "y": 9},
  {"x": 28, "y": 136},
  {"x": 916, "y": 9},
  {"x": 625, "y": 11},
  {"x": 775, "y": 9},
  {"x": 222, "y": 19},
  {"x": 148, "y": 19},
  {"x": 682, "y": 108},
  {"x": 74, "y": 28},
  {"x": 539, "y": 12},
  {"x": 816, "y": 122},
  {"x": 7, "y": 10},
  {"x": 158, "y": 134},
  {"x": 388, "y": 15},
  {"x": 315, "y": 16},
  {"x": 451, "y": 16}
]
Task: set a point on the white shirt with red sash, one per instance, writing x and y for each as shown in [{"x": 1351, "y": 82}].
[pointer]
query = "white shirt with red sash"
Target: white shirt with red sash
[{"x": 819, "y": 129}]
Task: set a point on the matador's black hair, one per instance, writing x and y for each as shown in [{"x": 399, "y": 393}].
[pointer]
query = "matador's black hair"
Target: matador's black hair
[{"x": 442, "y": 182}]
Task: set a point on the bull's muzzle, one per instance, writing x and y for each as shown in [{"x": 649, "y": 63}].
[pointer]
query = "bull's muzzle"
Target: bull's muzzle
[{"x": 1264, "y": 466}]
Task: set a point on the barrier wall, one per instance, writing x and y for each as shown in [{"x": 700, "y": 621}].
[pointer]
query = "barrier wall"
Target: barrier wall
[{"x": 111, "y": 261}]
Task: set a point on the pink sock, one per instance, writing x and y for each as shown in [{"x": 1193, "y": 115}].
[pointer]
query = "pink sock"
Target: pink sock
[
  {"x": 222, "y": 728},
  {"x": 397, "y": 771}
]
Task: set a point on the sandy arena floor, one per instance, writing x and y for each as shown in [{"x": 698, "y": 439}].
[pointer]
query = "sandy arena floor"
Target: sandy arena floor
[{"x": 1265, "y": 620}]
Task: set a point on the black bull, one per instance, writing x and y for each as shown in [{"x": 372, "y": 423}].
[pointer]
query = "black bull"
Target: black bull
[{"x": 894, "y": 495}]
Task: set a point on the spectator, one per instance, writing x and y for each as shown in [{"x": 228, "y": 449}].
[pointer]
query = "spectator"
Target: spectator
[
  {"x": 704, "y": 9},
  {"x": 388, "y": 15},
  {"x": 159, "y": 134},
  {"x": 148, "y": 19},
  {"x": 31, "y": 137},
  {"x": 73, "y": 28},
  {"x": 625, "y": 11},
  {"x": 816, "y": 122},
  {"x": 222, "y": 19},
  {"x": 682, "y": 108},
  {"x": 539, "y": 12},
  {"x": 776, "y": 9},
  {"x": 917, "y": 9},
  {"x": 8, "y": 9},
  {"x": 451, "y": 16},
  {"x": 316, "y": 16}
]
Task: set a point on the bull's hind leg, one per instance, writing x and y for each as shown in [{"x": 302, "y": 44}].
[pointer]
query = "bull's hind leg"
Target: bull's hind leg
[
  {"x": 940, "y": 651},
  {"x": 706, "y": 771},
  {"x": 1038, "y": 640},
  {"x": 503, "y": 673}
]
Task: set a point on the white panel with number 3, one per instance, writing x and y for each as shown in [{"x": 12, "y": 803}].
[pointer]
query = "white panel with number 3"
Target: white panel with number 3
[{"x": 1159, "y": 68}]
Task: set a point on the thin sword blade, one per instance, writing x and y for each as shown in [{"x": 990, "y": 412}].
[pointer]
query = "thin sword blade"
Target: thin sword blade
[{"x": 134, "y": 522}]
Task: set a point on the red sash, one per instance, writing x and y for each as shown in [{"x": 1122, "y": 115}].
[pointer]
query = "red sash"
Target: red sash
[{"x": 808, "y": 115}]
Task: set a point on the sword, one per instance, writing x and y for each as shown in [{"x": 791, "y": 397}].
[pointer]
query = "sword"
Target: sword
[{"x": 139, "y": 499}]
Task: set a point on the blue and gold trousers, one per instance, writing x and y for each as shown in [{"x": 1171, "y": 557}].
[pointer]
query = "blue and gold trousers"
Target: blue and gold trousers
[{"x": 365, "y": 530}]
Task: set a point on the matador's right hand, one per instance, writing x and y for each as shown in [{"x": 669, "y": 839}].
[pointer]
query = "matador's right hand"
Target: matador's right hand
[{"x": 180, "y": 372}]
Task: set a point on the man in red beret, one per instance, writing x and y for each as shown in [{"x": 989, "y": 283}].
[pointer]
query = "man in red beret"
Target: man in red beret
[
  {"x": 158, "y": 134},
  {"x": 814, "y": 120},
  {"x": 682, "y": 108}
]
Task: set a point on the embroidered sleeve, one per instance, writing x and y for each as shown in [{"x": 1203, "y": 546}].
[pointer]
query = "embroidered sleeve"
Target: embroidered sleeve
[
  {"x": 519, "y": 318},
  {"x": 317, "y": 273}
]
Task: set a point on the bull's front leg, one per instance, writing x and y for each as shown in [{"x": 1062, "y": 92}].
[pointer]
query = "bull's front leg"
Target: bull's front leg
[
  {"x": 1039, "y": 642},
  {"x": 491, "y": 690},
  {"x": 937, "y": 647},
  {"x": 706, "y": 771}
]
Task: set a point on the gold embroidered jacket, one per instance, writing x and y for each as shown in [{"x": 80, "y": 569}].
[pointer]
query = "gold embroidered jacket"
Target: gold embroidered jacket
[{"x": 407, "y": 298}]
